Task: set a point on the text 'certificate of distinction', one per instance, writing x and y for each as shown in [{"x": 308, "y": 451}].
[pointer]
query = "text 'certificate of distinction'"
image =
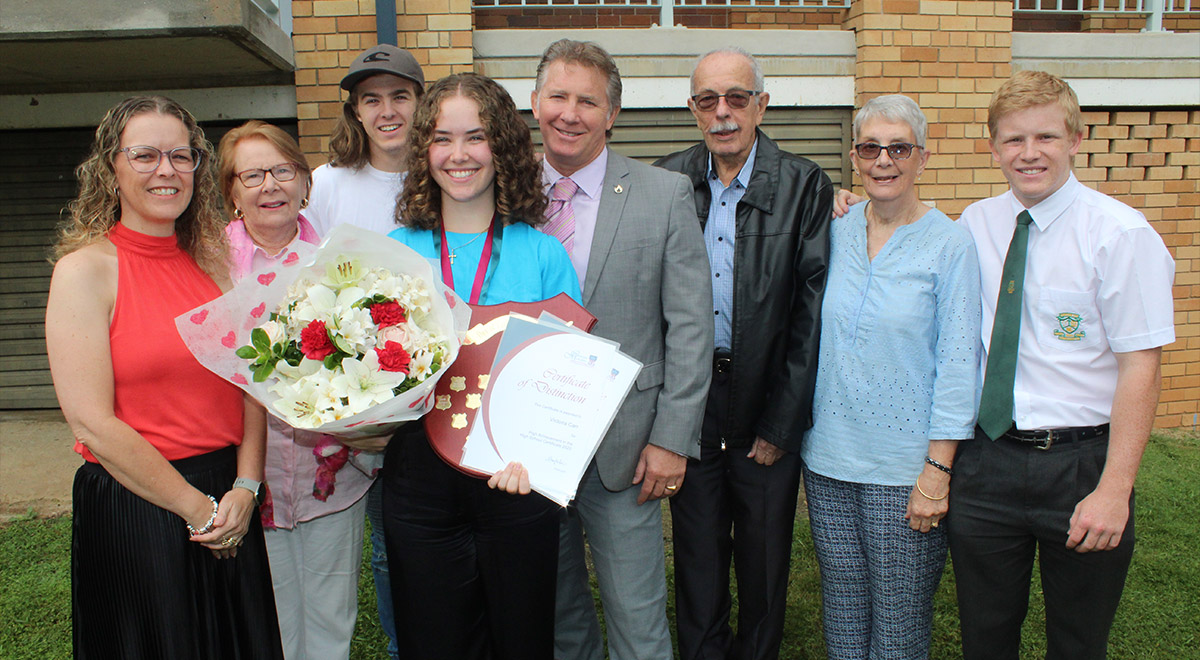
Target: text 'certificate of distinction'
[{"x": 552, "y": 394}]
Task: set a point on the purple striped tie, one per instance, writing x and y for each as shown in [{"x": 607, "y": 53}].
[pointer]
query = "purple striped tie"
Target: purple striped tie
[{"x": 560, "y": 216}]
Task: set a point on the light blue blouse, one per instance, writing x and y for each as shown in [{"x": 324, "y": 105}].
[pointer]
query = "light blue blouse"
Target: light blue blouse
[
  {"x": 532, "y": 265},
  {"x": 899, "y": 350}
]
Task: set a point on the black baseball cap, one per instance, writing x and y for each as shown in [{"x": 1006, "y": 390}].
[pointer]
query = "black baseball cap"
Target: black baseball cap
[{"x": 384, "y": 58}]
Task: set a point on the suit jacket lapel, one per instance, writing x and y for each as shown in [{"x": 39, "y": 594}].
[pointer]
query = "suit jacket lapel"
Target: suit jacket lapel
[{"x": 608, "y": 216}]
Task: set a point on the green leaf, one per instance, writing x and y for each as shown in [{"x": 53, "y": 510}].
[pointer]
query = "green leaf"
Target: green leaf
[
  {"x": 261, "y": 341},
  {"x": 247, "y": 352},
  {"x": 334, "y": 360},
  {"x": 263, "y": 371}
]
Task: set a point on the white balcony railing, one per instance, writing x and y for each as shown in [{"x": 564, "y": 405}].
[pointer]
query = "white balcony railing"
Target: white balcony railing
[
  {"x": 666, "y": 8},
  {"x": 1153, "y": 10}
]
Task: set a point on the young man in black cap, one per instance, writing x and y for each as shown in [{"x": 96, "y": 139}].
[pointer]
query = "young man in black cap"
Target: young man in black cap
[{"x": 369, "y": 145}]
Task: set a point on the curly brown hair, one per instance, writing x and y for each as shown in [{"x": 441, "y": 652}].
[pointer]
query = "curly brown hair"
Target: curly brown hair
[
  {"x": 519, "y": 195},
  {"x": 260, "y": 130},
  {"x": 97, "y": 208}
]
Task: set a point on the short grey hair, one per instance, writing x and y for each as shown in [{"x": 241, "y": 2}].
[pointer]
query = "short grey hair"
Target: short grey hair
[
  {"x": 732, "y": 50},
  {"x": 586, "y": 53},
  {"x": 894, "y": 107}
]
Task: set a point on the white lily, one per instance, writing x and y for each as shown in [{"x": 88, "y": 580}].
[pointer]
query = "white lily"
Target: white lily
[
  {"x": 420, "y": 366},
  {"x": 364, "y": 384},
  {"x": 298, "y": 405}
]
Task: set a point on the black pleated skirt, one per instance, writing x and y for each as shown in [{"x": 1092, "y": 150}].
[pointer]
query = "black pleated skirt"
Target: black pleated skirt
[{"x": 141, "y": 590}]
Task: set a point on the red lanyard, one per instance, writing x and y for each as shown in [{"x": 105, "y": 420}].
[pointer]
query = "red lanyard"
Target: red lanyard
[{"x": 481, "y": 270}]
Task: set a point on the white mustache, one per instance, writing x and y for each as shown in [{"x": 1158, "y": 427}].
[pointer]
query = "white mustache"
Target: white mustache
[{"x": 723, "y": 126}]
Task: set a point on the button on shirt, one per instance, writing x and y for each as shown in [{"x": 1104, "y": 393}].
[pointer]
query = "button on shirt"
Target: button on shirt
[
  {"x": 719, "y": 234},
  {"x": 585, "y": 203},
  {"x": 1097, "y": 282}
]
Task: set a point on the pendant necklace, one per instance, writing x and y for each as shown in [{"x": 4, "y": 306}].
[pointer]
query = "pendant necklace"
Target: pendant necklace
[{"x": 454, "y": 252}]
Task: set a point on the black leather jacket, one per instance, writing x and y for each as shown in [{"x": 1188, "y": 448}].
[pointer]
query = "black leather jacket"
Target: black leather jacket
[{"x": 781, "y": 252}]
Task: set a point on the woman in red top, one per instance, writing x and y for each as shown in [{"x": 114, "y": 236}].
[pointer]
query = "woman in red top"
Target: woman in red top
[{"x": 167, "y": 559}]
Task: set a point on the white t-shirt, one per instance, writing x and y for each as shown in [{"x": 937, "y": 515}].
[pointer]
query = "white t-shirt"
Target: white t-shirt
[
  {"x": 364, "y": 198},
  {"x": 1097, "y": 281}
]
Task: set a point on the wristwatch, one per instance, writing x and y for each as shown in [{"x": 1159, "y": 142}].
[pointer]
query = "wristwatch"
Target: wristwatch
[{"x": 250, "y": 485}]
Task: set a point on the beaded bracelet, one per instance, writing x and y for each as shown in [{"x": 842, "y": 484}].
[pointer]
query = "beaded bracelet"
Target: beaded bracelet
[
  {"x": 926, "y": 495},
  {"x": 208, "y": 525},
  {"x": 943, "y": 468}
]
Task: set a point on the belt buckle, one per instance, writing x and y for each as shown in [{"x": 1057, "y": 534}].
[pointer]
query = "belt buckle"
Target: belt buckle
[{"x": 1044, "y": 444}]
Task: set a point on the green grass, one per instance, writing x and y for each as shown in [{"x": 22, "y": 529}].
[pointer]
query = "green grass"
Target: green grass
[{"x": 1158, "y": 619}]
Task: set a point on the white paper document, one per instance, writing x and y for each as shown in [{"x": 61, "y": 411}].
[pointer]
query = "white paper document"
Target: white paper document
[{"x": 551, "y": 396}]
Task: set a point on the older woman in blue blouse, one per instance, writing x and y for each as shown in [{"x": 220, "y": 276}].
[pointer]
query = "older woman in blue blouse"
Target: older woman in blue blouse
[{"x": 895, "y": 393}]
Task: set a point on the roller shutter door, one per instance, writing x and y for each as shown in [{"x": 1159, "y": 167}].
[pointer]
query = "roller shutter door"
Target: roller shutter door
[{"x": 37, "y": 180}]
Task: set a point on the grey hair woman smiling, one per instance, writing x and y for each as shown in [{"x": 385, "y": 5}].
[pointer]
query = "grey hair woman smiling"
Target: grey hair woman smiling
[{"x": 895, "y": 393}]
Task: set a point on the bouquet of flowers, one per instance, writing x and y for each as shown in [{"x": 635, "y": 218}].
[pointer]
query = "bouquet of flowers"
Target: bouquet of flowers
[{"x": 356, "y": 337}]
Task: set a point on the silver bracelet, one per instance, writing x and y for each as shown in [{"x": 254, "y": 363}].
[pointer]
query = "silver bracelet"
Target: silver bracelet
[
  {"x": 192, "y": 531},
  {"x": 944, "y": 468}
]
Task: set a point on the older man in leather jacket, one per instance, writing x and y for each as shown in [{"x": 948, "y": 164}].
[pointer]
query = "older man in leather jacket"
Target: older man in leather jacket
[{"x": 765, "y": 215}]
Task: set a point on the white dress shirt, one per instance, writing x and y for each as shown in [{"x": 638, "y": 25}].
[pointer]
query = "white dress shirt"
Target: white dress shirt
[{"x": 1097, "y": 282}]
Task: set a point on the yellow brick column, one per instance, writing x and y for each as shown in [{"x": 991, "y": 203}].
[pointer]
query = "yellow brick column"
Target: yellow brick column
[
  {"x": 329, "y": 34},
  {"x": 948, "y": 56}
]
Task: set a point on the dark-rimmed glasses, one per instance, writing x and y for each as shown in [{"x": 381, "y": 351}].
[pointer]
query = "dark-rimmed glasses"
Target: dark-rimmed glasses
[
  {"x": 737, "y": 99},
  {"x": 146, "y": 159},
  {"x": 896, "y": 150},
  {"x": 255, "y": 177}
]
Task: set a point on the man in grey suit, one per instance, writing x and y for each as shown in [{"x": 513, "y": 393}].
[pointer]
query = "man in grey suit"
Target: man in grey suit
[{"x": 631, "y": 232}]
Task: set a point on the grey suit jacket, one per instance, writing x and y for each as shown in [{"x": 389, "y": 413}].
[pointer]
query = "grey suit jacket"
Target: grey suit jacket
[{"x": 648, "y": 285}]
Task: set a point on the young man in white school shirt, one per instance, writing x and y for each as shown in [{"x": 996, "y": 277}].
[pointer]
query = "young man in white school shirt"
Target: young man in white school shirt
[{"x": 1095, "y": 312}]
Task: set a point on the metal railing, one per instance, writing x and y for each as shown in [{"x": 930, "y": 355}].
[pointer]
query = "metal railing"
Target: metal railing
[
  {"x": 666, "y": 8},
  {"x": 1153, "y": 10}
]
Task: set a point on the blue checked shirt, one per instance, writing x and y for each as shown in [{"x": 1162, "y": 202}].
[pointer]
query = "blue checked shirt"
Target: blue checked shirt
[{"x": 719, "y": 234}]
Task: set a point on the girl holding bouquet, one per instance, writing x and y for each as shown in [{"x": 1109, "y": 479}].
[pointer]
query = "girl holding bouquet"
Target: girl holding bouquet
[
  {"x": 473, "y": 563},
  {"x": 314, "y": 490},
  {"x": 168, "y": 558}
]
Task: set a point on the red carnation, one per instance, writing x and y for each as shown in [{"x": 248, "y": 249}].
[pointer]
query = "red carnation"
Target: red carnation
[
  {"x": 314, "y": 341},
  {"x": 393, "y": 357},
  {"x": 388, "y": 313}
]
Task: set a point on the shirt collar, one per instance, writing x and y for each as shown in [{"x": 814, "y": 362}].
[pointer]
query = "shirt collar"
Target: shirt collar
[
  {"x": 589, "y": 178},
  {"x": 1048, "y": 210},
  {"x": 743, "y": 176}
]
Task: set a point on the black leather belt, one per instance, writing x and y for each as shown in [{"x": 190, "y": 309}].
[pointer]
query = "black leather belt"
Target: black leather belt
[
  {"x": 722, "y": 361},
  {"x": 1046, "y": 438}
]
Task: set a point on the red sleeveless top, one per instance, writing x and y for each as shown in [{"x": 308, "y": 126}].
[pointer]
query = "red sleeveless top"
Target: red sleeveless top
[{"x": 159, "y": 389}]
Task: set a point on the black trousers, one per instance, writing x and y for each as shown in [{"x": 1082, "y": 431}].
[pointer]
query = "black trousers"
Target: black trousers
[
  {"x": 473, "y": 569},
  {"x": 730, "y": 507},
  {"x": 1008, "y": 500}
]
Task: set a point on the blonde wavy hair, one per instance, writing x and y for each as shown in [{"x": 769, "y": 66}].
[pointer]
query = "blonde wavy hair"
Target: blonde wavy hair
[
  {"x": 97, "y": 208},
  {"x": 519, "y": 195}
]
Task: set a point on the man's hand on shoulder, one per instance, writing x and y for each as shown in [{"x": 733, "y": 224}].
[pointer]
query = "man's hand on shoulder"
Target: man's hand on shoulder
[
  {"x": 660, "y": 472},
  {"x": 1098, "y": 521}
]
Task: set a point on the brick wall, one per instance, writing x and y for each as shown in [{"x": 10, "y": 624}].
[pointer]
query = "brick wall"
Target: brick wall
[
  {"x": 1150, "y": 159},
  {"x": 328, "y": 34},
  {"x": 1126, "y": 23},
  {"x": 949, "y": 56}
]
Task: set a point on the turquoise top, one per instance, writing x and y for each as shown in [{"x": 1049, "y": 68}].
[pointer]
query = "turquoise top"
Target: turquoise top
[{"x": 532, "y": 265}]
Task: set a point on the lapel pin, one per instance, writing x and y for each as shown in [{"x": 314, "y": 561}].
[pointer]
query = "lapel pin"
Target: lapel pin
[{"x": 619, "y": 189}]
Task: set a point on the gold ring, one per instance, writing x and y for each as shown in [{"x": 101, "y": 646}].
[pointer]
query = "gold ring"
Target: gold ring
[
  {"x": 933, "y": 524},
  {"x": 226, "y": 542},
  {"x": 672, "y": 487}
]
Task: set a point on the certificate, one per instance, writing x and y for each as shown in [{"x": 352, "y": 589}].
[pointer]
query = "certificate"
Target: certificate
[{"x": 552, "y": 395}]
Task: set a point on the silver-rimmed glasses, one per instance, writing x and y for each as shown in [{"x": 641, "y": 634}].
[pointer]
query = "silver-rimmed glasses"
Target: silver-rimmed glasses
[
  {"x": 253, "y": 178},
  {"x": 146, "y": 159}
]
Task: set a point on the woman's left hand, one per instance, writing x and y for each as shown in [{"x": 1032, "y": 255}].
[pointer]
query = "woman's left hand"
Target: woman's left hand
[
  {"x": 231, "y": 524},
  {"x": 924, "y": 513},
  {"x": 513, "y": 479}
]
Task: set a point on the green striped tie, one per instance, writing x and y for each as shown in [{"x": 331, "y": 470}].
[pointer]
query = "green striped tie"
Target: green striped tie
[{"x": 996, "y": 403}]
